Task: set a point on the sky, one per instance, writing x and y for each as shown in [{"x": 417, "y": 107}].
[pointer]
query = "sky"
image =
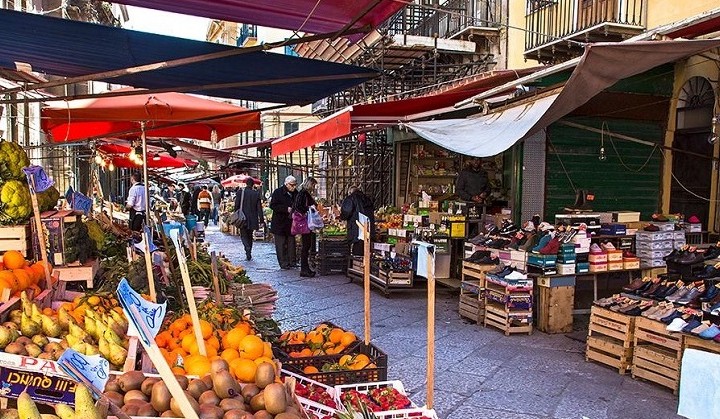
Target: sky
[{"x": 166, "y": 23}]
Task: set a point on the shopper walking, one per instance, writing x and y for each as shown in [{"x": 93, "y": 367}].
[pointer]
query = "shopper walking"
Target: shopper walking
[
  {"x": 281, "y": 202},
  {"x": 217, "y": 199},
  {"x": 183, "y": 198},
  {"x": 303, "y": 202},
  {"x": 204, "y": 205},
  {"x": 136, "y": 203},
  {"x": 194, "y": 200},
  {"x": 249, "y": 200},
  {"x": 353, "y": 205}
]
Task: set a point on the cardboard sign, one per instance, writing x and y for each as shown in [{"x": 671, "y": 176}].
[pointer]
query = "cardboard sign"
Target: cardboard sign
[
  {"x": 145, "y": 317},
  {"x": 363, "y": 219},
  {"x": 41, "y": 388},
  {"x": 93, "y": 369}
]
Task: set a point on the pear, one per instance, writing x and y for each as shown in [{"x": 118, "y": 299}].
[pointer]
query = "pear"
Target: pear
[
  {"x": 40, "y": 340},
  {"x": 64, "y": 318},
  {"x": 26, "y": 407},
  {"x": 100, "y": 328},
  {"x": 111, "y": 336},
  {"x": 80, "y": 347},
  {"x": 36, "y": 315},
  {"x": 118, "y": 354},
  {"x": 77, "y": 331},
  {"x": 91, "y": 349},
  {"x": 104, "y": 347},
  {"x": 29, "y": 327},
  {"x": 50, "y": 327},
  {"x": 116, "y": 327},
  {"x": 16, "y": 315},
  {"x": 5, "y": 337},
  {"x": 72, "y": 340},
  {"x": 90, "y": 324},
  {"x": 120, "y": 319},
  {"x": 33, "y": 350},
  {"x": 64, "y": 411},
  {"x": 25, "y": 303},
  {"x": 85, "y": 404}
]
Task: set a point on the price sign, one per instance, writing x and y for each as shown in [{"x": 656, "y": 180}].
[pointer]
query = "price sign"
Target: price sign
[
  {"x": 93, "y": 369},
  {"x": 145, "y": 316}
]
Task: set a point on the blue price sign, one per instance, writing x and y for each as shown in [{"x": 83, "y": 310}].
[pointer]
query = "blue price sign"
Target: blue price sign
[
  {"x": 145, "y": 316},
  {"x": 85, "y": 368}
]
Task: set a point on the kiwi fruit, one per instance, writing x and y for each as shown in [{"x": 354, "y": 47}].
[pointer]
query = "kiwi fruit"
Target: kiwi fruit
[
  {"x": 160, "y": 397},
  {"x": 23, "y": 340},
  {"x": 131, "y": 380},
  {"x": 218, "y": 365},
  {"x": 208, "y": 411},
  {"x": 197, "y": 387},
  {"x": 167, "y": 414},
  {"x": 275, "y": 398},
  {"x": 115, "y": 397},
  {"x": 262, "y": 414},
  {"x": 249, "y": 391},
  {"x": 209, "y": 397},
  {"x": 175, "y": 406},
  {"x": 183, "y": 381},
  {"x": 258, "y": 402},
  {"x": 147, "y": 385},
  {"x": 286, "y": 415},
  {"x": 130, "y": 409},
  {"x": 225, "y": 385},
  {"x": 238, "y": 414},
  {"x": 135, "y": 395},
  {"x": 15, "y": 348},
  {"x": 264, "y": 375},
  {"x": 207, "y": 379},
  {"x": 232, "y": 404},
  {"x": 146, "y": 410}
]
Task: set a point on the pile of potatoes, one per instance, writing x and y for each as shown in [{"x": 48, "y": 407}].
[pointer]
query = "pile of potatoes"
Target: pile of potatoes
[{"x": 215, "y": 396}]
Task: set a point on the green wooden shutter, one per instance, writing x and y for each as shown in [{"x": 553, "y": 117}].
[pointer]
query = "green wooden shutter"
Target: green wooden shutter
[{"x": 616, "y": 186}]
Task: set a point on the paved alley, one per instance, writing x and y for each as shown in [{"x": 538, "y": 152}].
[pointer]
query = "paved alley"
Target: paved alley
[{"x": 480, "y": 373}]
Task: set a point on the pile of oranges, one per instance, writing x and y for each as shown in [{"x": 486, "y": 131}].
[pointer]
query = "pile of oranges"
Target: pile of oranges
[
  {"x": 323, "y": 340},
  {"x": 239, "y": 347},
  {"x": 18, "y": 274}
]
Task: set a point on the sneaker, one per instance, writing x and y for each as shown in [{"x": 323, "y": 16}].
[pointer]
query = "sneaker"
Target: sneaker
[
  {"x": 551, "y": 248},
  {"x": 545, "y": 226},
  {"x": 703, "y": 327},
  {"x": 607, "y": 246},
  {"x": 595, "y": 248},
  {"x": 710, "y": 333},
  {"x": 544, "y": 240},
  {"x": 691, "y": 325},
  {"x": 515, "y": 276},
  {"x": 509, "y": 229},
  {"x": 477, "y": 255},
  {"x": 487, "y": 260},
  {"x": 528, "y": 226},
  {"x": 676, "y": 325},
  {"x": 651, "y": 227}
]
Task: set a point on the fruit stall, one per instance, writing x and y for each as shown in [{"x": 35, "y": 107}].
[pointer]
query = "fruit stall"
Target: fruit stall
[{"x": 98, "y": 323}]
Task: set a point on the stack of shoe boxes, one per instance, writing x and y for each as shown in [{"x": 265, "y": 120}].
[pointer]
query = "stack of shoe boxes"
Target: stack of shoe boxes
[
  {"x": 615, "y": 260},
  {"x": 582, "y": 250},
  {"x": 566, "y": 259},
  {"x": 679, "y": 239},
  {"x": 598, "y": 261},
  {"x": 542, "y": 264},
  {"x": 653, "y": 246}
]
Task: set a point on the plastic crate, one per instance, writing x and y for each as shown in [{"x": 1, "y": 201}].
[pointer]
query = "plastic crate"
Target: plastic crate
[
  {"x": 333, "y": 247},
  {"x": 316, "y": 410},
  {"x": 331, "y": 265},
  {"x": 365, "y": 375},
  {"x": 320, "y": 410},
  {"x": 412, "y": 412},
  {"x": 283, "y": 351}
]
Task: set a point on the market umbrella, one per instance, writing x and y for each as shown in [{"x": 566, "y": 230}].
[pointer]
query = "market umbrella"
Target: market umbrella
[
  {"x": 156, "y": 115},
  {"x": 118, "y": 154},
  {"x": 238, "y": 180},
  {"x": 163, "y": 115}
]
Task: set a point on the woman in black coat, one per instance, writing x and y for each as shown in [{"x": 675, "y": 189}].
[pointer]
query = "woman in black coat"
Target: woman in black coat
[
  {"x": 252, "y": 208},
  {"x": 354, "y": 204},
  {"x": 303, "y": 201},
  {"x": 281, "y": 202}
]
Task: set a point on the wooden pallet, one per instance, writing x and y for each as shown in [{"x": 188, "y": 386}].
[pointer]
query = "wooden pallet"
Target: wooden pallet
[
  {"x": 610, "y": 339},
  {"x": 657, "y": 354},
  {"x": 15, "y": 238},
  {"x": 470, "y": 308}
]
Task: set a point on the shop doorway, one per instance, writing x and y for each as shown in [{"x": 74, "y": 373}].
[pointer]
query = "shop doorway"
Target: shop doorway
[{"x": 690, "y": 192}]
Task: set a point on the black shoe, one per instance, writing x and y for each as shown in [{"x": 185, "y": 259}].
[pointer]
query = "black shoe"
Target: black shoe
[
  {"x": 487, "y": 260},
  {"x": 509, "y": 229},
  {"x": 710, "y": 294},
  {"x": 478, "y": 255},
  {"x": 711, "y": 253},
  {"x": 248, "y": 256},
  {"x": 691, "y": 258},
  {"x": 307, "y": 274}
]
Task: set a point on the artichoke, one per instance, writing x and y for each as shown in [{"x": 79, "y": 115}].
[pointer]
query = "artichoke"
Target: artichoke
[
  {"x": 15, "y": 204},
  {"x": 12, "y": 160},
  {"x": 47, "y": 199}
]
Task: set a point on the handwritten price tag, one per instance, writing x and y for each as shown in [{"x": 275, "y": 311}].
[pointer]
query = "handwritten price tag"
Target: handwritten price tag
[
  {"x": 93, "y": 369},
  {"x": 147, "y": 236},
  {"x": 145, "y": 316}
]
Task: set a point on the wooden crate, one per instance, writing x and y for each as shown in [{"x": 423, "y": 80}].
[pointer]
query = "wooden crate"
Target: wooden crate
[
  {"x": 470, "y": 308},
  {"x": 472, "y": 271},
  {"x": 657, "y": 353},
  {"x": 555, "y": 309},
  {"x": 16, "y": 238},
  {"x": 85, "y": 272},
  {"x": 396, "y": 279},
  {"x": 500, "y": 317},
  {"x": 694, "y": 342},
  {"x": 610, "y": 339}
]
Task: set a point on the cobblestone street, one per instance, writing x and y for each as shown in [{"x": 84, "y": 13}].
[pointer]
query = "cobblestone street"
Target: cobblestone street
[{"x": 480, "y": 373}]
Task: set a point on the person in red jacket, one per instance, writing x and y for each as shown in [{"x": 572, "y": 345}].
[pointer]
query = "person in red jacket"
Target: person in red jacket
[{"x": 204, "y": 205}]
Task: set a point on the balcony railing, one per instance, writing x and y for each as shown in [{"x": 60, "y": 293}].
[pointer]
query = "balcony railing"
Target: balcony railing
[
  {"x": 455, "y": 16},
  {"x": 551, "y": 20}
]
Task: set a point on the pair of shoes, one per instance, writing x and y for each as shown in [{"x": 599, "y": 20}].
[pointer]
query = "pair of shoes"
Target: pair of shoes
[
  {"x": 607, "y": 246},
  {"x": 710, "y": 333},
  {"x": 307, "y": 274},
  {"x": 595, "y": 248},
  {"x": 551, "y": 248},
  {"x": 711, "y": 252},
  {"x": 544, "y": 240},
  {"x": 477, "y": 255},
  {"x": 677, "y": 325},
  {"x": 690, "y": 258},
  {"x": 651, "y": 228},
  {"x": 635, "y": 285}
]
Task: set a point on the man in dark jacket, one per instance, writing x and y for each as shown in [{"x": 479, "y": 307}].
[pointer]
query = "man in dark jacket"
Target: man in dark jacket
[
  {"x": 472, "y": 183},
  {"x": 194, "y": 200},
  {"x": 281, "y": 202},
  {"x": 252, "y": 208},
  {"x": 353, "y": 205}
]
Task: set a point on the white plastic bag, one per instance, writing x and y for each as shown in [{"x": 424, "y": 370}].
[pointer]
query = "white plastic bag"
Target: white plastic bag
[{"x": 314, "y": 219}]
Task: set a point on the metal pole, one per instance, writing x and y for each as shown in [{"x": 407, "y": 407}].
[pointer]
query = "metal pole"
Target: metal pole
[{"x": 145, "y": 173}]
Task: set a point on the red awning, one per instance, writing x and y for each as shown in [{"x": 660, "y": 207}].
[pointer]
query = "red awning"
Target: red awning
[
  {"x": 373, "y": 116},
  {"x": 310, "y": 16},
  {"x": 164, "y": 114},
  {"x": 117, "y": 153}
]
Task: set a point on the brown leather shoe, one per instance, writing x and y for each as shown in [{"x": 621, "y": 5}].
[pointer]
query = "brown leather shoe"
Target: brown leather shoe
[{"x": 635, "y": 285}]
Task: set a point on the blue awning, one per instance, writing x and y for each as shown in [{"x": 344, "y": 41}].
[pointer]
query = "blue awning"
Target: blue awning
[{"x": 69, "y": 48}]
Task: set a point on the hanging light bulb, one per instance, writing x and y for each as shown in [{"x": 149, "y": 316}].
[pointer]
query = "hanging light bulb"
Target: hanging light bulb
[
  {"x": 98, "y": 159},
  {"x": 111, "y": 167},
  {"x": 602, "y": 156},
  {"x": 103, "y": 163}
]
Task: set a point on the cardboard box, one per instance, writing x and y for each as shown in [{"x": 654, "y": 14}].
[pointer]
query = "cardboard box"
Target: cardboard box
[
  {"x": 625, "y": 216},
  {"x": 43, "y": 379},
  {"x": 613, "y": 229},
  {"x": 598, "y": 257},
  {"x": 598, "y": 267},
  {"x": 566, "y": 269},
  {"x": 614, "y": 255},
  {"x": 556, "y": 281},
  {"x": 582, "y": 267},
  {"x": 631, "y": 263},
  {"x": 616, "y": 266},
  {"x": 541, "y": 260}
]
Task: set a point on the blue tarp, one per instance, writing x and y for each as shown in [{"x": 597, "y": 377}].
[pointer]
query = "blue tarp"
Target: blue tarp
[{"x": 69, "y": 48}]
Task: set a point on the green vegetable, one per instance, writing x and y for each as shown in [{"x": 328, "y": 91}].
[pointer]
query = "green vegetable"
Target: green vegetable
[
  {"x": 15, "y": 206},
  {"x": 12, "y": 160}
]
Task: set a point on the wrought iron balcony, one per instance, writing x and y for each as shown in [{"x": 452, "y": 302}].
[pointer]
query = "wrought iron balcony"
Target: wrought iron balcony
[
  {"x": 446, "y": 19},
  {"x": 558, "y": 29}
]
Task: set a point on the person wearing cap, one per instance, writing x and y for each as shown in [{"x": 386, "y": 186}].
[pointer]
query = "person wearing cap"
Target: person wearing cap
[
  {"x": 281, "y": 202},
  {"x": 252, "y": 208}
]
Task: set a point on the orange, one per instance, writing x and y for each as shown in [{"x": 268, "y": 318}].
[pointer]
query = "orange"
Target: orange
[
  {"x": 348, "y": 338},
  {"x": 197, "y": 365},
  {"x": 12, "y": 259},
  {"x": 315, "y": 338},
  {"x": 229, "y": 354},
  {"x": 335, "y": 335},
  {"x": 233, "y": 338},
  {"x": 206, "y": 328},
  {"x": 189, "y": 344},
  {"x": 344, "y": 360},
  {"x": 306, "y": 352},
  {"x": 267, "y": 350},
  {"x": 310, "y": 370},
  {"x": 34, "y": 278},
  {"x": 234, "y": 363},
  {"x": 4, "y": 283},
  {"x": 251, "y": 347},
  {"x": 245, "y": 370},
  {"x": 9, "y": 278},
  {"x": 163, "y": 338},
  {"x": 39, "y": 270},
  {"x": 178, "y": 370},
  {"x": 322, "y": 327},
  {"x": 48, "y": 311},
  {"x": 213, "y": 341}
]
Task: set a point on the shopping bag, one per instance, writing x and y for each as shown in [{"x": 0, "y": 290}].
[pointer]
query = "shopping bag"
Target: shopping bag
[
  {"x": 314, "y": 219},
  {"x": 238, "y": 218},
  {"x": 299, "y": 224}
]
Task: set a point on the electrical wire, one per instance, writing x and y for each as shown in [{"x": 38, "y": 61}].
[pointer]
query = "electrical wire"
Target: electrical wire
[
  {"x": 572, "y": 185},
  {"x": 604, "y": 127}
]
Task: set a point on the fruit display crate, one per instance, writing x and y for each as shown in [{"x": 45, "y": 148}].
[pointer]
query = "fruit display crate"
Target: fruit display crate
[
  {"x": 392, "y": 278},
  {"x": 16, "y": 238},
  {"x": 333, "y": 246},
  {"x": 79, "y": 273},
  {"x": 412, "y": 412},
  {"x": 329, "y": 265},
  {"x": 610, "y": 339},
  {"x": 313, "y": 407},
  {"x": 283, "y": 351},
  {"x": 365, "y": 375},
  {"x": 657, "y": 353}
]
